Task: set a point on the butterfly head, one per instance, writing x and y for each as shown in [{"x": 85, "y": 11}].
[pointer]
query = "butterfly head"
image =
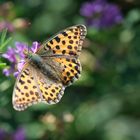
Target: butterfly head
[{"x": 28, "y": 54}]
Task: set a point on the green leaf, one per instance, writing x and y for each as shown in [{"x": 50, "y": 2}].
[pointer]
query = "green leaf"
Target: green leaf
[
  {"x": 5, "y": 43},
  {"x": 3, "y": 36},
  {"x": 3, "y": 40},
  {"x": 2, "y": 65}
]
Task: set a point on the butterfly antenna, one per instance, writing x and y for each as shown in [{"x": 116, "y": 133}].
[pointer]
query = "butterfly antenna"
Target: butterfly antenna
[{"x": 28, "y": 52}]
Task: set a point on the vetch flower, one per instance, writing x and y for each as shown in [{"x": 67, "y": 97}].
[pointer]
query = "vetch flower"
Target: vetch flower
[
  {"x": 17, "y": 57},
  {"x": 34, "y": 47},
  {"x": 101, "y": 14},
  {"x": 20, "y": 47},
  {"x": 10, "y": 55},
  {"x": 20, "y": 65},
  {"x": 9, "y": 70}
]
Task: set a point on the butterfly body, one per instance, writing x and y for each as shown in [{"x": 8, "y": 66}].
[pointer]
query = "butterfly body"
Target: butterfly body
[
  {"x": 50, "y": 70},
  {"x": 45, "y": 66}
]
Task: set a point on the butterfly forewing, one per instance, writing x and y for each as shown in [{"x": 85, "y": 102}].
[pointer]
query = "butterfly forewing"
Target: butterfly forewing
[
  {"x": 64, "y": 48},
  {"x": 67, "y": 42}
]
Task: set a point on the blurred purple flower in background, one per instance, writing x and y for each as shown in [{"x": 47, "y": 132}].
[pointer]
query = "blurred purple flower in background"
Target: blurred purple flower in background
[
  {"x": 2, "y": 134},
  {"x": 19, "y": 134},
  {"x": 101, "y": 14},
  {"x": 17, "y": 57},
  {"x": 6, "y": 25}
]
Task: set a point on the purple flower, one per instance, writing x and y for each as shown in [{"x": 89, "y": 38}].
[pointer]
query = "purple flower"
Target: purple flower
[
  {"x": 20, "y": 47},
  {"x": 8, "y": 71},
  {"x": 35, "y": 47},
  {"x": 101, "y": 14},
  {"x": 20, "y": 65},
  {"x": 19, "y": 134},
  {"x": 17, "y": 57},
  {"x": 10, "y": 55}
]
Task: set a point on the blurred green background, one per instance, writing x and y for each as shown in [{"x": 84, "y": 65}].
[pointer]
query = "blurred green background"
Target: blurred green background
[{"x": 104, "y": 104}]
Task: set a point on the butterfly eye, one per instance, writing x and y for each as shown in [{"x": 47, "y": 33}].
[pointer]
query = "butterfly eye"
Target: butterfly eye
[{"x": 27, "y": 54}]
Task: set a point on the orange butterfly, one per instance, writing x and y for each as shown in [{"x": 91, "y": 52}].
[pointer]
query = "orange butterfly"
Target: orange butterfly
[{"x": 53, "y": 67}]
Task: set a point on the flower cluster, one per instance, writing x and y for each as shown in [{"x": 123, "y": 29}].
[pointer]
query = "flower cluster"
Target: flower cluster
[
  {"x": 17, "y": 57},
  {"x": 101, "y": 14}
]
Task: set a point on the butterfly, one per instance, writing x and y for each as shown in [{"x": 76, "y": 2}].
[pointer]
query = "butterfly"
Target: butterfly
[{"x": 47, "y": 73}]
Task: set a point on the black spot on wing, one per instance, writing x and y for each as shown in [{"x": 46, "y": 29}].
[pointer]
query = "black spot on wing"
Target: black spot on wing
[
  {"x": 57, "y": 39},
  {"x": 64, "y": 34}
]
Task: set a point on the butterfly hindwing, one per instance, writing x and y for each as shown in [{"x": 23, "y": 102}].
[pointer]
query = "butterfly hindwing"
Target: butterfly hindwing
[
  {"x": 32, "y": 87},
  {"x": 51, "y": 91},
  {"x": 25, "y": 91},
  {"x": 70, "y": 69}
]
